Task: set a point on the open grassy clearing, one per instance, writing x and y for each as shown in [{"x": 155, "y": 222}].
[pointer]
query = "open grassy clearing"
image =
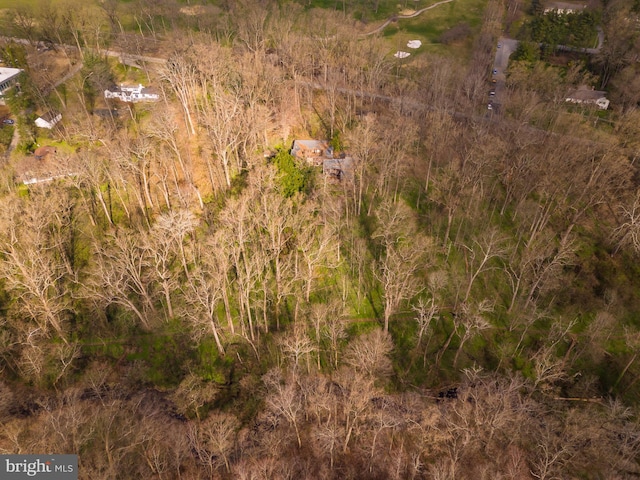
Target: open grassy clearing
[
  {"x": 366, "y": 9},
  {"x": 430, "y": 25}
]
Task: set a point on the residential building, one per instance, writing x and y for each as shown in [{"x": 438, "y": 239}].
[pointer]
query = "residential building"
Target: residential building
[
  {"x": 8, "y": 78},
  {"x": 564, "y": 7},
  {"x": 319, "y": 153},
  {"x": 338, "y": 169},
  {"x": 314, "y": 152},
  {"x": 133, "y": 94},
  {"x": 587, "y": 95}
]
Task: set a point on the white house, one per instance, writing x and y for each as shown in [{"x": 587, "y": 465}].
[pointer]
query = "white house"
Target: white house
[
  {"x": 48, "y": 120},
  {"x": 564, "y": 8},
  {"x": 587, "y": 95},
  {"x": 138, "y": 93},
  {"x": 8, "y": 78}
]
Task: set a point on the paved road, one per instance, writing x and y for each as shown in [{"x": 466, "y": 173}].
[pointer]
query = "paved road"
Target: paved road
[
  {"x": 129, "y": 56},
  {"x": 500, "y": 64},
  {"x": 507, "y": 46}
]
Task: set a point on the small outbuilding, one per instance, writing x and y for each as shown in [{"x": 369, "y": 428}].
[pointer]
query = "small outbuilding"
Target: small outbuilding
[{"x": 48, "y": 120}]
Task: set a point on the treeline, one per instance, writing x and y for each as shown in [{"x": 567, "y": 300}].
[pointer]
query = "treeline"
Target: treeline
[
  {"x": 185, "y": 305},
  {"x": 341, "y": 425},
  {"x": 573, "y": 29}
]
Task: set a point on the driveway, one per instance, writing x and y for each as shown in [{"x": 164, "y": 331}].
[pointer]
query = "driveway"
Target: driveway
[{"x": 500, "y": 64}]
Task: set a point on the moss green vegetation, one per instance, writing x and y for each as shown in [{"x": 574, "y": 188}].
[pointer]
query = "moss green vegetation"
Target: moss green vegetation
[
  {"x": 432, "y": 27},
  {"x": 433, "y": 23},
  {"x": 6, "y": 134},
  {"x": 292, "y": 176}
]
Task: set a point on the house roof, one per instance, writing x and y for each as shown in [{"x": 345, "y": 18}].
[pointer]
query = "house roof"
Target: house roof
[
  {"x": 585, "y": 94},
  {"x": 50, "y": 116},
  {"x": 342, "y": 168},
  {"x": 8, "y": 73},
  {"x": 302, "y": 148},
  {"x": 564, "y": 6},
  {"x": 131, "y": 89}
]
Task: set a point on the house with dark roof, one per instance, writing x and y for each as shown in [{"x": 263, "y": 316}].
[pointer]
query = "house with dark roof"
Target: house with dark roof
[
  {"x": 589, "y": 96},
  {"x": 338, "y": 169}
]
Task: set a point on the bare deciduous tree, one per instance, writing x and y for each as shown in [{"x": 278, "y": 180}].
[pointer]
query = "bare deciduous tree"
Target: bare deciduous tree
[
  {"x": 283, "y": 399},
  {"x": 356, "y": 392},
  {"x": 182, "y": 76},
  {"x": 34, "y": 263},
  {"x": 297, "y": 346},
  {"x": 628, "y": 234},
  {"x": 489, "y": 246},
  {"x": 120, "y": 275},
  {"x": 224, "y": 117},
  {"x": 402, "y": 258},
  {"x": 214, "y": 438},
  {"x": 472, "y": 321},
  {"x": 369, "y": 354},
  {"x": 426, "y": 312},
  {"x": 202, "y": 295},
  {"x": 193, "y": 393}
]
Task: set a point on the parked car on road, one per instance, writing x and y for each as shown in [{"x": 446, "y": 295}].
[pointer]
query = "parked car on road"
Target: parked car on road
[{"x": 8, "y": 121}]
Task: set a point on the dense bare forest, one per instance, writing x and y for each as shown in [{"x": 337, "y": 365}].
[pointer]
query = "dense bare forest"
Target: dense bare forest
[{"x": 183, "y": 298}]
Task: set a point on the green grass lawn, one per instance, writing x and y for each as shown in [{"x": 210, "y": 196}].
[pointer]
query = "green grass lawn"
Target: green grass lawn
[
  {"x": 61, "y": 145},
  {"x": 430, "y": 25},
  {"x": 365, "y": 9}
]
